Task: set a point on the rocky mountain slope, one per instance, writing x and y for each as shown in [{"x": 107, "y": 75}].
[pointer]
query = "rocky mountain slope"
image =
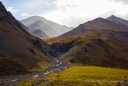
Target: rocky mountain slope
[
  {"x": 99, "y": 42},
  {"x": 118, "y": 20},
  {"x": 19, "y": 51},
  {"x": 50, "y": 28},
  {"x": 96, "y": 24}
]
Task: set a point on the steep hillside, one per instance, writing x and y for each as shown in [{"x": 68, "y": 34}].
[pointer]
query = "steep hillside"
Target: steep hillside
[
  {"x": 50, "y": 28},
  {"x": 99, "y": 42},
  {"x": 19, "y": 51}
]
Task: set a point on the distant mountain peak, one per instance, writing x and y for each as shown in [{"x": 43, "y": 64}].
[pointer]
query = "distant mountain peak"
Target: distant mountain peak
[
  {"x": 96, "y": 21},
  {"x": 99, "y": 19},
  {"x": 117, "y": 20},
  {"x": 51, "y": 28},
  {"x": 112, "y": 17}
]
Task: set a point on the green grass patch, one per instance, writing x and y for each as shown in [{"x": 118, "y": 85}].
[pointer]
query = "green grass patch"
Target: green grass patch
[
  {"x": 88, "y": 76},
  {"x": 80, "y": 76}
]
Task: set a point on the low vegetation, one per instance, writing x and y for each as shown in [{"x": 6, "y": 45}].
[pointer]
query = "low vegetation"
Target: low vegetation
[
  {"x": 81, "y": 76},
  {"x": 30, "y": 82},
  {"x": 8, "y": 67},
  {"x": 104, "y": 48},
  {"x": 88, "y": 76}
]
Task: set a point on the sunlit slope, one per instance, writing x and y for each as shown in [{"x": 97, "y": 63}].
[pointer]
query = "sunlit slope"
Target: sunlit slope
[
  {"x": 88, "y": 76},
  {"x": 95, "y": 47}
]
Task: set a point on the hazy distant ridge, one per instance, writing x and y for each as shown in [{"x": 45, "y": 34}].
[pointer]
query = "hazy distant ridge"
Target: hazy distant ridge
[{"x": 50, "y": 28}]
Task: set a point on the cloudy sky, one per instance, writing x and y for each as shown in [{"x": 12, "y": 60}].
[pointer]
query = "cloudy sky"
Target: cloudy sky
[{"x": 67, "y": 12}]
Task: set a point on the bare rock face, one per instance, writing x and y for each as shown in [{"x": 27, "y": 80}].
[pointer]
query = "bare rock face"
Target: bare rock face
[{"x": 18, "y": 47}]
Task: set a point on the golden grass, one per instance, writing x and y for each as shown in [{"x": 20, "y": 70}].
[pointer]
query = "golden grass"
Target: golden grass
[
  {"x": 89, "y": 76},
  {"x": 80, "y": 76}
]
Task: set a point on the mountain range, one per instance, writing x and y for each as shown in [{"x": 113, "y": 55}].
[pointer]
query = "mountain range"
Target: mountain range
[
  {"x": 96, "y": 24},
  {"x": 20, "y": 52},
  {"x": 48, "y": 27},
  {"x": 99, "y": 42}
]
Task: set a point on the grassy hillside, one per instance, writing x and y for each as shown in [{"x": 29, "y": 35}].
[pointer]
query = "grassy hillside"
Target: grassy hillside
[{"x": 96, "y": 47}]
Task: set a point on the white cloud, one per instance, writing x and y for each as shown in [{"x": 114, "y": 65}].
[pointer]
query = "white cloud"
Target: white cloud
[
  {"x": 12, "y": 10},
  {"x": 73, "y": 13},
  {"x": 47, "y": 3},
  {"x": 31, "y": 4},
  {"x": 123, "y": 1},
  {"x": 25, "y": 15}
]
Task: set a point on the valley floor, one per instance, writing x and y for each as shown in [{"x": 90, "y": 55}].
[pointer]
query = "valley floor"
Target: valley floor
[
  {"x": 13, "y": 80},
  {"x": 79, "y": 76}
]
